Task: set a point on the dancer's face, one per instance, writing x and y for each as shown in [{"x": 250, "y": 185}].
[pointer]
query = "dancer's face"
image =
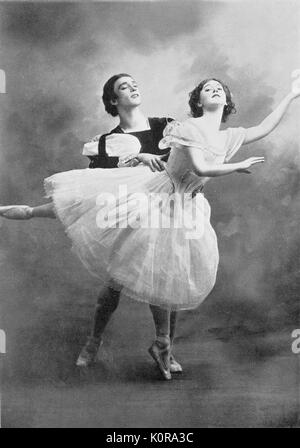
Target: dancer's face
[
  {"x": 127, "y": 93},
  {"x": 212, "y": 95}
]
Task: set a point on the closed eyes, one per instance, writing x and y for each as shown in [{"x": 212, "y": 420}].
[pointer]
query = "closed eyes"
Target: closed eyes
[
  {"x": 126, "y": 86},
  {"x": 207, "y": 89}
]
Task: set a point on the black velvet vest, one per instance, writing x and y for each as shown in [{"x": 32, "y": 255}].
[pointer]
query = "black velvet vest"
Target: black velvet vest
[{"x": 149, "y": 140}]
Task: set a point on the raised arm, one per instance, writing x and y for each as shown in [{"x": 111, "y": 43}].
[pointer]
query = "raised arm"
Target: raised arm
[
  {"x": 204, "y": 169},
  {"x": 271, "y": 121}
]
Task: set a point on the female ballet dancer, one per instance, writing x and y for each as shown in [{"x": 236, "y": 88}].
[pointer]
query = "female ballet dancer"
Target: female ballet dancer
[{"x": 172, "y": 268}]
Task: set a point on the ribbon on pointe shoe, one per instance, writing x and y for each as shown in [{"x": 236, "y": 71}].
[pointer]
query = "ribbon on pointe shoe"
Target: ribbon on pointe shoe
[{"x": 160, "y": 351}]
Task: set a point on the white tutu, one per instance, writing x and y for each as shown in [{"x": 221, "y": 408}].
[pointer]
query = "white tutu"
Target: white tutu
[{"x": 173, "y": 266}]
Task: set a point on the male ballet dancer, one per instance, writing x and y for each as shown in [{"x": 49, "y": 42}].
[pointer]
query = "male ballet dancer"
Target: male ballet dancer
[{"x": 135, "y": 132}]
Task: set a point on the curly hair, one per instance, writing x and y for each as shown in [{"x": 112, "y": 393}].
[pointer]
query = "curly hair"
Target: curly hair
[
  {"x": 109, "y": 94},
  {"x": 196, "y": 109}
]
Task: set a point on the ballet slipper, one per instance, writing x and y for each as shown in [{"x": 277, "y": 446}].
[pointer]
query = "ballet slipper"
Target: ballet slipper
[
  {"x": 88, "y": 354},
  {"x": 175, "y": 367},
  {"x": 160, "y": 351},
  {"x": 16, "y": 211}
]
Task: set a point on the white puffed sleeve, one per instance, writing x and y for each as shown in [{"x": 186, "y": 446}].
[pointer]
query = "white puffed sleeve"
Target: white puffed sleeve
[
  {"x": 90, "y": 149},
  {"x": 181, "y": 134}
]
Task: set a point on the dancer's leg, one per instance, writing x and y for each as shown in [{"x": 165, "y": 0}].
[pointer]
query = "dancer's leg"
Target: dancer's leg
[
  {"x": 24, "y": 212},
  {"x": 44, "y": 211},
  {"x": 160, "y": 350},
  {"x": 161, "y": 319},
  {"x": 173, "y": 321},
  {"x": 108, "y": 302},
  {"x": 175, "y": 367}
]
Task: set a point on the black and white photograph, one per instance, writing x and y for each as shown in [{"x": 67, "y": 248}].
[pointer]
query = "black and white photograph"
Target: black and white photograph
[{"x": 149, "y": 216}]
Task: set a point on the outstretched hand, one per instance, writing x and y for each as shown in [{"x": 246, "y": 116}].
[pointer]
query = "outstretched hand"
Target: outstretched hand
[
  {"x": 295, "y": 88},
  {"x": 246, "y": 164}
]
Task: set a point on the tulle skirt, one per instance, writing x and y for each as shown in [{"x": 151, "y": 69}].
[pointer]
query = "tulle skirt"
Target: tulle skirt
[{"x": 133, "y": 231}]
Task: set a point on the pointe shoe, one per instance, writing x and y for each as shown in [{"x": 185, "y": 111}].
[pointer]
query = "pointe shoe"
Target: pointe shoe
[
  {"x": 16, "y": 211},
  {"x": 160, "y": 352},
  {"x": 89, "y": 352},
  {"x": 175, "y": 367}
]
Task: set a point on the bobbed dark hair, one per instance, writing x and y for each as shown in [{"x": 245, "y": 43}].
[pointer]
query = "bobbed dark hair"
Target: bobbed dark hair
[
  {"x": 197, "y": 111},
  {"x": 109, "y": 94}
]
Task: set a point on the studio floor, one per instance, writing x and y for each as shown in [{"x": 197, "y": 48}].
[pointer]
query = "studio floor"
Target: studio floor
[{"x": 231, "y": 379}]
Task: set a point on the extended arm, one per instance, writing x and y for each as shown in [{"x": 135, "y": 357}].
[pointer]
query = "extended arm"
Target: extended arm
[
  {"x": 204, "y": 169},
  {"x": 269, "y": 123},
  {"x": 272, "y": 120}
]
